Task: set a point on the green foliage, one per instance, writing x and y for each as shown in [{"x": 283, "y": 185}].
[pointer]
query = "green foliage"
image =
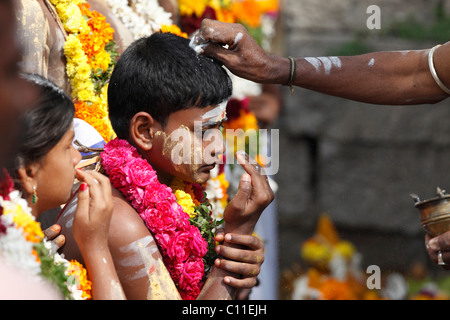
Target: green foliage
[
  {"x": 256, "y": 33},
  {"x": 55, "y": 273},
  {"x": 207, "y": 227},
  {"x": 355, "y": 47},
  {"x": 412, "y": 29},
  {"x": 100, "y": 77}
]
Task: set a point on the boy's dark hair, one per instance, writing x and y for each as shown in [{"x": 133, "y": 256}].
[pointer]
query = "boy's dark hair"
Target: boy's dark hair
[{"x": 162, "y": 74}]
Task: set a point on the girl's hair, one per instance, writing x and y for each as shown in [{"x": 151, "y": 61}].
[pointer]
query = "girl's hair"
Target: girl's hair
[{"x": 43, "y": 125}]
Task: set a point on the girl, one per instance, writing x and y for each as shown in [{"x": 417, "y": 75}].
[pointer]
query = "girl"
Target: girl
[{"x": 44, "y": 172}]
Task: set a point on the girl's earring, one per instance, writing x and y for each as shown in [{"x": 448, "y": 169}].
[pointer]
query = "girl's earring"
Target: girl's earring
[{"x": 35, "y": 198}]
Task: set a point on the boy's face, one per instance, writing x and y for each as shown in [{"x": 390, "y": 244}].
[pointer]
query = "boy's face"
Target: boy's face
[{"x": 190, "y": 145}]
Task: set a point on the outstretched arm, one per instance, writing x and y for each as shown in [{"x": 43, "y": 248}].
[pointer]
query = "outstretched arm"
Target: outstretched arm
[{"x": 396, "y": 78}]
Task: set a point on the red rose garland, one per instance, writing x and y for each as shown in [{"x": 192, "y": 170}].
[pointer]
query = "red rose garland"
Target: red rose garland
[{"x": 180, "y": 243}]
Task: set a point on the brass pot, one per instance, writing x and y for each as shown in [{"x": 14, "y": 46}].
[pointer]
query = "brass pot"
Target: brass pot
[{"x": 434, "y": 213}]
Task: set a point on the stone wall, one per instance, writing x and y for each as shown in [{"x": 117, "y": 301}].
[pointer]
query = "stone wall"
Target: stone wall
[{"x": 354, "y": 161}]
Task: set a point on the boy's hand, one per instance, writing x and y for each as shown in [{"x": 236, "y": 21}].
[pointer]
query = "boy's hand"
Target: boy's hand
[
  {"x": 246, "y": 260},
  {"x": 253, "y": 196}
]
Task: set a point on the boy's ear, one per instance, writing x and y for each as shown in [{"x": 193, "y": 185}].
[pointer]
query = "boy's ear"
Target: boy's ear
[
  {"x": 28, "y": 177},
  {"x": 142, "y": 130}
]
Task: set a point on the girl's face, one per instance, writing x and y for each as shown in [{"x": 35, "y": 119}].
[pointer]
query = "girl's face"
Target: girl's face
[
  {"x": 55, "y": 174},
  {"x": 190, "y": 145}
]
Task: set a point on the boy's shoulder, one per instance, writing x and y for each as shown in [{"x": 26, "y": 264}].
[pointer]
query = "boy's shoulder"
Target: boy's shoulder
[{"x": 126, "y": 225}]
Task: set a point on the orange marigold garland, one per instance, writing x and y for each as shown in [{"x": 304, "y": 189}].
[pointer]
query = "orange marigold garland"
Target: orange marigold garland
[
  {"x": 173, "y": 29},
  {"x": 91, "y": 56},
  {"x": 83, "y": 284}
]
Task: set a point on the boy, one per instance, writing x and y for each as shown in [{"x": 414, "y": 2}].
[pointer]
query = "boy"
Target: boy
[{"x": 161, "y": 89}]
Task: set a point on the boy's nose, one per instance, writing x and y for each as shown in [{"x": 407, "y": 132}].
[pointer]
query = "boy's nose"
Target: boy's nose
[{"x": 219, "y": 144}]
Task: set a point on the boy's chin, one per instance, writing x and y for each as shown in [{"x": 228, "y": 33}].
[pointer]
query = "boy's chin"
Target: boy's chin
[
  {"x": 197, "y": 175},
  {"x": 201, "y": 177}
]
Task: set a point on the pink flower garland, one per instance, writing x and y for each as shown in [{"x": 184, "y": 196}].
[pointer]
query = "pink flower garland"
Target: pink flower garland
[{"x": 180, "y": 243}]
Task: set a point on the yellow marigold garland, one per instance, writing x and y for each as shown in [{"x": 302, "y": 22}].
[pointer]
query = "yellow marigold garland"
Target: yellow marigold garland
[
  {"x": 173, "y": 29},
  {"x": 185, "y": 200},
  {"x": 77, "y": 270},
  {"x": 31, "y": 229},
  {"x": 185, "y": 196},
  {"x": 248, "y": 12},
  {"x": 90, "y": 53}
]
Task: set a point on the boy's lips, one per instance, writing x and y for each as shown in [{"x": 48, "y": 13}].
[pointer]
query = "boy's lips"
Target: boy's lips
[{"x": 208, "y": 166}]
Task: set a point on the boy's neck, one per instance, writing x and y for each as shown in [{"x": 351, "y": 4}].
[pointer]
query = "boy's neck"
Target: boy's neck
[{"x": 164, "y": 177}]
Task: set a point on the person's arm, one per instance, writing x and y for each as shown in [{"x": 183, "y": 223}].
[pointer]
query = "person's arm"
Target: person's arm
[
  {"x": 134, "y": 253},
  {"x": 90, "y": 230},
  {"x": 139, "y": 263},
  {"x": 241, "y": 214},
  {"x": 387, "y": 78},
  {"x": 396, "y": 78},
  {"x": 136, "y": 256}
]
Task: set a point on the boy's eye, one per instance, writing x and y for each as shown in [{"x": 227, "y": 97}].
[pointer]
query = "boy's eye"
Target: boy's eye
[{"x": 219, "y": 127}]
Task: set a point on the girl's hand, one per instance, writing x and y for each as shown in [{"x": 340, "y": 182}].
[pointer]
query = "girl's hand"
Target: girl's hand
[{"x": 94, "y": 210}]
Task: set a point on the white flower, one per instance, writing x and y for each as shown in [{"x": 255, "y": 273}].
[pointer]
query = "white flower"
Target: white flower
[
  {"x": 15, "y": 200},
  {"x": 17, "y": 252},
  {"x": 15, "y": 249},
  {"x": 147, "y": 19},
  {"x": 302, "y": 290},
  {"x": 243, "y": 88}
]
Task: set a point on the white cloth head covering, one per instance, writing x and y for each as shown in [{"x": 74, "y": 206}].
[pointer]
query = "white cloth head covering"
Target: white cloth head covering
[{"x": 87, "y": 135}]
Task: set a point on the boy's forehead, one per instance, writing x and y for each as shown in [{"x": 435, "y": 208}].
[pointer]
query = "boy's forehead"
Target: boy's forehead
[
  {"x": 195, "y": 114},
  {"x": 215, "y": 111}
]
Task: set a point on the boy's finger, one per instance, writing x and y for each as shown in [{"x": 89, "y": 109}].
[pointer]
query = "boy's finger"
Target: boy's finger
[
  {"x": 220, "y": 235},
  {"x": 251, "y": 167},
  {"x": 243, "y": 255},
  {"x": 242, "y": 268},
  {"x": 239, "y": 201},
  {"x": 260, "y": 184},
  {"x": 245, "y": 283},
  {"x": 245, "y": 240}
]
